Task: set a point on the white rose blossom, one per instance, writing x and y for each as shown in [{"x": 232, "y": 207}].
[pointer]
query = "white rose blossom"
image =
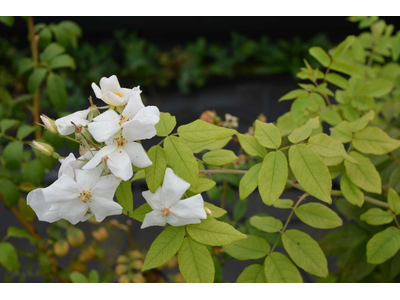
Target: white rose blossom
[
  {"x": 167, "y": 206},
  {"x": 111, "y": 92},
  {"x": 65, "y": 126}
]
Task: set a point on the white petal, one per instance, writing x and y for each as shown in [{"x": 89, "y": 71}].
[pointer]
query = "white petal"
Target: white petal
[
  {"x": 135, "y": 130},
  {"x": 87, "y": 179},
  {"x": 173, "y": 188},
  {"x": 120, "y": 164},
  {"x": 73, "y": 211},
  {"x": 189, "y": 208},
  {"x": 174, "y": 220},
  {"x": 137, "y": 155},
  {"x": 96, "y": 90},
  {"x": 113, "y": 99},
  {"x": 148, "y": 115},
  {"x": 66, "y": 167},
  {"x": 64, "y": 125},
  {"x": 153, "y": 218},
  {"x": 134, "y": 105},
  {"x": 110, "y": 84},
  {"x": 96, "y": 160},
  {"x": 154, "y": 199},
  {"x": 102, "y": 208},
  {"x": 51, "y": 216},
  {"x": 102, "y": 130},
  {"x": 63, "y": 189},
  {"x": 106, "y": 187},
  {"x": 35, "y": 200},
  {"x": 108, "y": 116}
]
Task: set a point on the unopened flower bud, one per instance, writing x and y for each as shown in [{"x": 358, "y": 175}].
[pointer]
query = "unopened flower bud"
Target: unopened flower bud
[
  {"x": 101, "y": 234},
  {"x": 49, "y": 123},
  {"x": 82, "y": 150},
  {"x": 61, "y": 248},
  {"x": 121, "y": 269},
  {"x": 43, "y": 148},
  {"x": 87, "y": 254},
  {"x": 75, "y": 236},
  {"x": 123, "y": 279},
  {"x": 139, "y": 278}
]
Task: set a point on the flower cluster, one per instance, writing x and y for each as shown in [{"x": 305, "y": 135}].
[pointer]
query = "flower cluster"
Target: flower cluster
[{"x": 110, "y": 145}]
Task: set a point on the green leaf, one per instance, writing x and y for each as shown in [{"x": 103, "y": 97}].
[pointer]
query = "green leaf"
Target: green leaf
[
  {"x": 279, "y": 269},
  {"x": 337, "y": 80},
  {"x": 311, "y": 172},
  {"x": 330, "y": 116},
  {"x": 286, "y": 124},
  {"x": 267, "y": 224},
  {"x": 249, "y": 181},
  {"x": 351, "y": 192},
  {"x": 318, "y": 216},
  {"x": 364, "y": 174},
  {"x": 239, "y": 210},
  {"x": 125, "y": 197},
  {"x": 164, "y": 247},
  {"x": 181, "y": 159},
  {"x": 305, "y": 252},
  {"x": 56, "y": 91},
  {"x": 214, "y": 233},
  {"x": 394, "y": 201},
  {"x": 347, "y": 69},
  {"x": 252, "y": 274},
  {"x": 219, "y": 157},
  {"x": 283, "y": 203},
  {"x": 24, "y": 131},
  {"x": 9, "y": 192},
  {"x": 272, "y": 177},
  {"x": 6, "y": 124},
  {"x": 319, "y": 54},
  {"x": 293, "y": 94},
  {"x": 373, "y": 140},
  {"x": 205, "y": 184},
  {"x": 378, "y": 87},
  {"x": 155, "y": 172},
  {"x": 195, "y": 262},
  {"x": 376, "y": 216},
  {"x": 201, "y": 131},
  {"x": 77, "y": 277},
  {"x": 24, "y": 65},
  {"x": 216, "y": 211},
  {"x": 140, "y": 212},
  {"x": 304, "y": 131},
  {"x": 251, "y": 145},
  {"x": 395, "y": 47},
  {"x": 62, "y": 61},
  {"x": 383, "y": 245},
  {"x": 342, "y": 132},
  {"x": 12, "y": 155},
  {"x": 343, "y": 47},
  {"x": 33, "y": 171},
  {"x": 17, "y": 232},
  {"x": 51, "y": 51},
  {"x": 394, "y": 180},
  {"x": 267, "y": 135},
  {"x": 208, "y": 145},
  {"x": 94, "y": 277},
  {"x": 7, "y": 20},
  {"x": 35, "y": 79},
  {"x": 362, "y": 122},
  {"x": 253, "y": 247},
  {"x": 45, "y": 36},
  {"x": 9, "y": 257},
  {"x": 166, "y": 125}
]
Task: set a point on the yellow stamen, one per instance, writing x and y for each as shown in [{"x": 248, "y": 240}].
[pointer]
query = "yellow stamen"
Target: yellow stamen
[
  {"x": 118, "y": 94},
  {"x": 85, "y": 196}
]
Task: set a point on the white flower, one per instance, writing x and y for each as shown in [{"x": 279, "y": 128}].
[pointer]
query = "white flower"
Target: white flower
[
  {"x": 64, "y": 125},
  {"x": 136, "y": 121},
  {"x": 90, "y": 193},
  {"x": 111, "y": 92},
  {"x": 167, "y": 206}
]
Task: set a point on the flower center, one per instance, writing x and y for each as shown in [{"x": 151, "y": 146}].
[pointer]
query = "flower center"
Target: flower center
[
  {"x": 118, "y": 94},
  {"x": 165, "y": 211},
  {"x": 120, "y": 141},
  {"x": 122, "y": 120},
  {"x": 105, "y": 159},
  {"x": 85, "y": 196}
]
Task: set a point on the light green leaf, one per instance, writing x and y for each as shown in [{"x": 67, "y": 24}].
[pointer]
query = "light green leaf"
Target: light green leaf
[
  {"x": 17, "y": 232},
  {"x": 363, "y": 174},
  {"x": 318, "y": 216},
  {"x": 139, "y": 175},
  {"x": 383, "y": 245},
  {"x": 304, "y": 131},
  {"x": 252, "y": 274},
  {"x": 214, "y": 233},
  {"x": 195, "y": 262},
  {"x": 56, "y": 91},
  {"x": 35, "y": 79},
  {"x": 286, "y": 124},
  {"x": 395, "y": 47},
  {"x": 311, "y": 172},
  {"x": 219, "y": 157},
  {"x": 394, "y": 201},
  {"x": 279, "y": 269},
  {"x": 140, "y": 212},
  {"x": 347, "y": 69},
  {"x": 305, "y": 252},
  {"x": 24, "y": 131},
  {"x": 283, "y": 203},
  {"x": 267, "y": 224},
  {"x": 330, "y": 116},
  {"x": 362, "y": 122},
  {"x": 319, "y": 54},
  {"x": 62, "y": 61},
  {"x": 125, "y": 197},
  {"x": 166, "y": 125},
  {"x": 373, "y": 140},
  {"x": 52, "y": 50},
  {"x": 93, "y": 277},
  {"x": 77, "y": 277},
  {"x": 272, "y": 177},
  {"x": 337, "y": 80},
  {"x": 251, "y": 145},
  {"x": 376, "y": 216},
  {"x": 268, "y": 135},
  {"x": 341, "y": 49},
  {"x": 293, "y": 94},
  {"x": 12, "y": 155},
  {"x": 342, "y": 132},
  {"x": 181, "y": 159},
  {"x": 164, "y": 247},
  {"x": 249, "y": 181},
  {"x": 205, "y": 184},
  {"x": 201, "y": 131},
  {"x": 208, "y": 145},
  {"x": 351, "y": 192},
  {"x": 9, "y": 257},
  {"x": 155, "y": 172},
  {"x": 378, "y": 87},
  {"x": 253, "y": 247},
  {"x": 216, "y": 211}
]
